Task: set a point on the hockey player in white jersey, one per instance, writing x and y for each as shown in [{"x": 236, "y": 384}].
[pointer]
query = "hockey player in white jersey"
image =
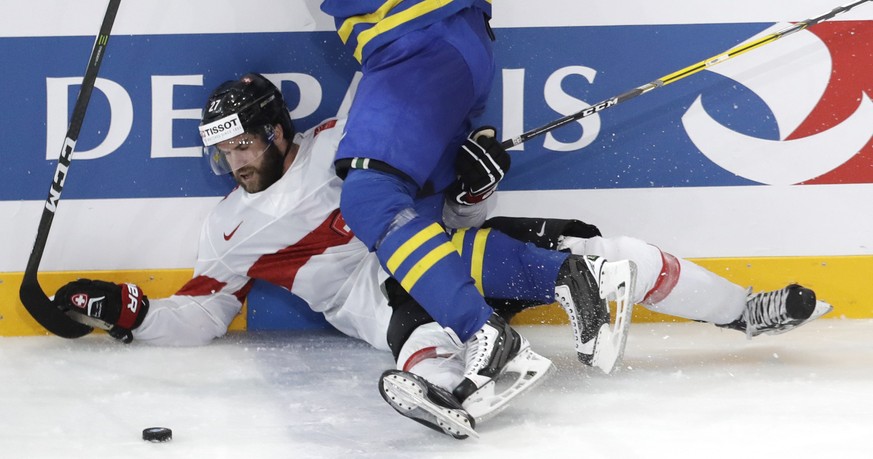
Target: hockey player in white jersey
[{"x": 282, "y": 225}]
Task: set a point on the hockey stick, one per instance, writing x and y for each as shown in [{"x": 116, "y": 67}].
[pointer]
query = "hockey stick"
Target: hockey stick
[
  {"x": 32, "y": 296},
  {"x": 678, "y": 75}
]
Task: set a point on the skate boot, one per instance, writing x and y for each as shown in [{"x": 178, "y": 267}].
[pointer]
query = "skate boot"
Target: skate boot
[
  {"x": 425, "y": 403},
  {"x": 499, "y": 366},
  {"x": 779, "y": 311},
  {"x": 585, "y": 285}
]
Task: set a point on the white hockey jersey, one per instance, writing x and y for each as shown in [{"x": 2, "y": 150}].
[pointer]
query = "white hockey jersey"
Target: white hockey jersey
[{"x": 293, "y": 235}]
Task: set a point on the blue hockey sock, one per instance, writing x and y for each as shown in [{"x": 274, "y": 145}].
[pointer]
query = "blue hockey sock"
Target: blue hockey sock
[
  {"x": 506, "y": 268},
  {"x": 422, "y": 258},
  {"x": 415, "y": 249}
]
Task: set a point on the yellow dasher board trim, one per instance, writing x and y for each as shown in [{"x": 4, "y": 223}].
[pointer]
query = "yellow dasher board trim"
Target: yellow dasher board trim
[
  {"x": 842, "y": 281},
  {"x": 160, "y": 283}
]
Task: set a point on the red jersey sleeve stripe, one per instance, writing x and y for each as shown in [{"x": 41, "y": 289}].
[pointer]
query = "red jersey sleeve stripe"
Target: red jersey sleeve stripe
[
  {"x": 281, "y": 268},
  {"x": 205, "y": 286}
]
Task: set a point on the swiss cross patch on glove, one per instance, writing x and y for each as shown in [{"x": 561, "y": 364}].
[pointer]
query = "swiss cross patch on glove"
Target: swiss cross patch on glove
[
  {"x": 118, "y": 308},
  {"x": 481, "y": 164}
]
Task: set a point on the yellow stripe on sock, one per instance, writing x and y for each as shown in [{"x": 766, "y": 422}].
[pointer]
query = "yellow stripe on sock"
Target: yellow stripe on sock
[
  {"x": 477, "y": 260},
  {"x": 427, "y": 262},
  {"x": 458, "y": 240},
  {"x": 412, "y": 244}
]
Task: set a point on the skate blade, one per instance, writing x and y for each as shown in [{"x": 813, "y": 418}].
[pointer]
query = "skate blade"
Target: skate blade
[
  {"x": 617, "y": 281},
  {"x": 527, "y": 370},
  {"x": 409, "y": 398},
  {"x": 821, "y": 308}
]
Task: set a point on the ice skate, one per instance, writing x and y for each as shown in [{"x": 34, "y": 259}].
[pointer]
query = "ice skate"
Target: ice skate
[
  {"x": 416, "y": 398},
  {"x": 779, "y": 311},
  {"x": 584, "y": 287},
  {"x": 499, "y": 366}
]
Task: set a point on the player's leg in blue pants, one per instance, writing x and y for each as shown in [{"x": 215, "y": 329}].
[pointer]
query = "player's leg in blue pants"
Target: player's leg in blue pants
[
  {"x": 412, "y": 110},
  {"x": 414, "y": 249},
  {"x": 505, "y": 268}
]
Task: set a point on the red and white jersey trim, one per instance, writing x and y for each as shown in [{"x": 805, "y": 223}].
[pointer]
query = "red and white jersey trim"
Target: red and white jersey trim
[{"x": 292, "y": 234}]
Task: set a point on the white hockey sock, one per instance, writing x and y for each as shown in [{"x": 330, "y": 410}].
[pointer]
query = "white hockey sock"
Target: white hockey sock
[
  {"x": 434, "y": 354},
  {"x": 646, "y": 256},
  {"x": 688, "y": 291},
  {"x": 701, "y": 295}
]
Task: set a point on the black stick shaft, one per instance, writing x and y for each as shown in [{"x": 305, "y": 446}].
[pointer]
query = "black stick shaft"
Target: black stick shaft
[
  {"x": 31, "y": 293},
  {"x": 678, "y": 75}
]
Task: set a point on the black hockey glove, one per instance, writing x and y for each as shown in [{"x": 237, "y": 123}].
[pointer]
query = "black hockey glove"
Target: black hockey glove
[
  {"x": 481, "y": 164},
  {"x": 117, "y": 308}
]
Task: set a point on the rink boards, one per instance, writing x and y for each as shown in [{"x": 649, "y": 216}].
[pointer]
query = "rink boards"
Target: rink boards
[{"x": 761, "y": 168}]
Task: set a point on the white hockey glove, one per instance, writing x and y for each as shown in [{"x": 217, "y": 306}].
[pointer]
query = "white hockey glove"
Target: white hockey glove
[{"x": 481, "y": 164}]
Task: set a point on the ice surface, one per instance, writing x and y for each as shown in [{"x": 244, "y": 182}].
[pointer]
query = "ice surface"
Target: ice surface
[{"x": 685, "y": 390}]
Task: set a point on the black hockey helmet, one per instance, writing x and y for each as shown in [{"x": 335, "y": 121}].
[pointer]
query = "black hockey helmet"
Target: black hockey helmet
[{"x": 251, "y": 104}]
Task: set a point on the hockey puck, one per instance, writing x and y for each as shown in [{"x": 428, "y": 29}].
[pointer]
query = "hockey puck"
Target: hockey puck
[{"x": 157, "y": 434}]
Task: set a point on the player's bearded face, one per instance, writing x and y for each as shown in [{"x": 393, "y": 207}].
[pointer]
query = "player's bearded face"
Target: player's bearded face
[{"x": 259, "y": 174}]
